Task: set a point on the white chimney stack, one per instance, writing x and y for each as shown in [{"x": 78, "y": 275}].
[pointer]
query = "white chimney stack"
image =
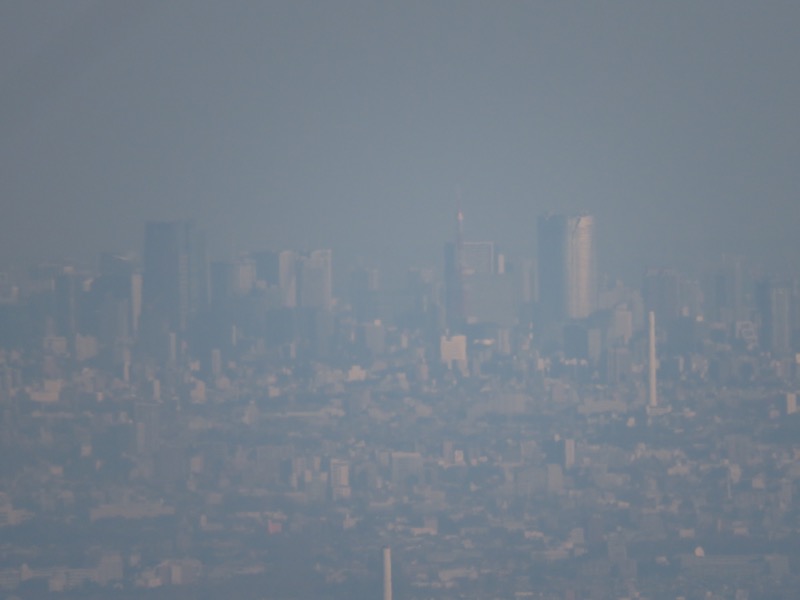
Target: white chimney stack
[{"x": 387, "y": 573}]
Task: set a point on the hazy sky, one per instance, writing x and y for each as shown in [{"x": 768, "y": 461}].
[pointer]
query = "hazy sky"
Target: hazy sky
[{"x": 353, "y": 125}]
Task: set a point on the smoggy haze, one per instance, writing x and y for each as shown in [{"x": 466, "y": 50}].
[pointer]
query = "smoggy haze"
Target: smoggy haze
[{"x": 352, "y": 125}]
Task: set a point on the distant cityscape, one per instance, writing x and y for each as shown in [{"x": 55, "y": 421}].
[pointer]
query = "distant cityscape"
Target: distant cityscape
[{"x": 505, "y": 427}]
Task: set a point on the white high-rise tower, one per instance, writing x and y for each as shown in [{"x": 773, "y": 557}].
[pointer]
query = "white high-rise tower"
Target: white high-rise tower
[
  {"x": 567, "y": 279},
  {"x": 387, "y": 573},
  {"x": 580, "y": 267},
  {"x": 652, "y": 399}
]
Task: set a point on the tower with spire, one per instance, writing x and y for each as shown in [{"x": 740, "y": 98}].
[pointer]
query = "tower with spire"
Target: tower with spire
[{"x": 454, "y": 274}]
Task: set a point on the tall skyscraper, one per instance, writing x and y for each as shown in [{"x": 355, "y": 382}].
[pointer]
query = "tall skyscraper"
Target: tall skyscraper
[
  {"x": 724, "y": 293},
  {"x": 478, "y": 258},
  {"x": 477, "y": 288},
  {"x": 117, "y": 298},
  {"x": 67, "y": 292},
  {"x": 364, "y": 286},
  {"x": 316, "y": 280},
  {"x": 581, "y": 276},
  {"x": 268, "y": 267},
  {"x": 567, "y": 277},
  {"x": 652, "y": 361},
  {"x": 287, "y": 278},
  {"x": 120, "y": 278},
  {"x": 774, "y": 303},
  {"x": 176, "y": 280},
  {"x": 454, "y": 276}
]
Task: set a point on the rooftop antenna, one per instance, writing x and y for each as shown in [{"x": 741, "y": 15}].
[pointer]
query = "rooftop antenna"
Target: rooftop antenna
[{"x": 460, "y": 254}]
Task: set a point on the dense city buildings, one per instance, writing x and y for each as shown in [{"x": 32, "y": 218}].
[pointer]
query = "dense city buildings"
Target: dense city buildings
[{"x": 186, "y": 427}]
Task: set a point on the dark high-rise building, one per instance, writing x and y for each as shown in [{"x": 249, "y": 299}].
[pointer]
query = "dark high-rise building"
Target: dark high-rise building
[
  {"x": 476, "y": 287},
  {"x": 287, "y": 277},
  {"x": 268, "y": 267},
  {"x": 723, "y": 293},
  {"x": 774, "y": 304},
  {"x": 120, "y": 282},
  {"x": 566, "y": 260},
  {"x": 316, "y": 280},
  {"x": 176, "y": 280},
  {"x": 487, "y": 289},
  {"x": 364, "y": 287},
  {"x": 67, "y": 295}
]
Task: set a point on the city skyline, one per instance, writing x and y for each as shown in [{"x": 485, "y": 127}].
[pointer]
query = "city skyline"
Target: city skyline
[
  {"x": 416, "y": 300},
  {"x": 577, "y": 285},
  {"x": 494, "y": 452},
  {"x": 176, "y": 280}
]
